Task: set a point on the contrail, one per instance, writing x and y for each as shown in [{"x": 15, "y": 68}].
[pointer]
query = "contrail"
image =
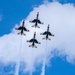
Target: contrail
[
  {"x": 43, "y": 67},
  {"x": 19, "y": 56},
  {"x": 44, "y": 61},
  {"x": 17, "y": 68}
]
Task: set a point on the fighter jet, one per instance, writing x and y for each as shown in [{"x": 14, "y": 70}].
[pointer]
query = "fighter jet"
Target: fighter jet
[
  {"x": 22, "y": 28},
  {"x": 33, "y": 41},
  {"x": 47, "y": 33},
  {"x": 36, "y": 21}
]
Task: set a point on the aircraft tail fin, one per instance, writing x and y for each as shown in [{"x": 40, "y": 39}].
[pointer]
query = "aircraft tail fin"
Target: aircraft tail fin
[
  {"x": 46, "y": 38},
  {"x": 33, "y": 26},
  {"x": 32, "y": 46},
  {"x": 35, "y": 46},
  {"x": 21, "y": 33},
  {"x": 41, "y": 33},
  {"x": 38, "y": 26},
  {"x": 49, "y": 39}
]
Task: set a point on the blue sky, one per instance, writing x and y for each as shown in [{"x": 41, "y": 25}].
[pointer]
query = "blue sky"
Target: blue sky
[{"x": 13, "y": 11}]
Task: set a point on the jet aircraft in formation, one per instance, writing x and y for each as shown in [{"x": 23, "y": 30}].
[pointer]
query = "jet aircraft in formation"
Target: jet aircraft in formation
[
  {"x": 22, "y": 28},
  {"x": 47, "y": 33},
  {"x": 33, "y": 41},
  {"x": 36, "y": 21}
]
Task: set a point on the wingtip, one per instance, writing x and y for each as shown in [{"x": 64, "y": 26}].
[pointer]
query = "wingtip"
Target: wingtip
[
  {"x": 53, "y": 35},
  {"x": 39, "y": 43},
  {"x": 28, "y": 30},
  {"x": 27, "y": 41},
  {"x": 16, "y": 28},
  {"x": 41, "y": 34},
  {"x": 30, "y": 21}
]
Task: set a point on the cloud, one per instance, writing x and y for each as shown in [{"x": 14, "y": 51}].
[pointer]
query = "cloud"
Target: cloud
[{"x": 14, "y": 48}]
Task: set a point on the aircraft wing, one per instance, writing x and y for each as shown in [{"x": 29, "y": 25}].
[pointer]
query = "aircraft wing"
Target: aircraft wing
[
  {"x": 31, "y": 40},
  {"x": 35, "y": 41},
  {"x": 39, "y": 21},
  {"x": 19, "y": 28},
  {"x": 25, "y": 29},
  {"x": 50, "y": 33},
  {"x": 33, "y": 20},
  {"x": 45, "y": 33}
]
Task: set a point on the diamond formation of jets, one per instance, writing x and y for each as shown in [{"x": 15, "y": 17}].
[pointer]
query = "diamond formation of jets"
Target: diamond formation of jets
[{"x": 34, "y": 40}]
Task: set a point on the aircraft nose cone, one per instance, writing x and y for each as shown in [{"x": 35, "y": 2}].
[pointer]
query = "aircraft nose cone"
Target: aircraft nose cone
[
  {"x": 48, "y": 25},
  {"x": 37, "y": 12},
  {"x": 34, "y": 32},
  {"x": 23, "y": 20}
]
